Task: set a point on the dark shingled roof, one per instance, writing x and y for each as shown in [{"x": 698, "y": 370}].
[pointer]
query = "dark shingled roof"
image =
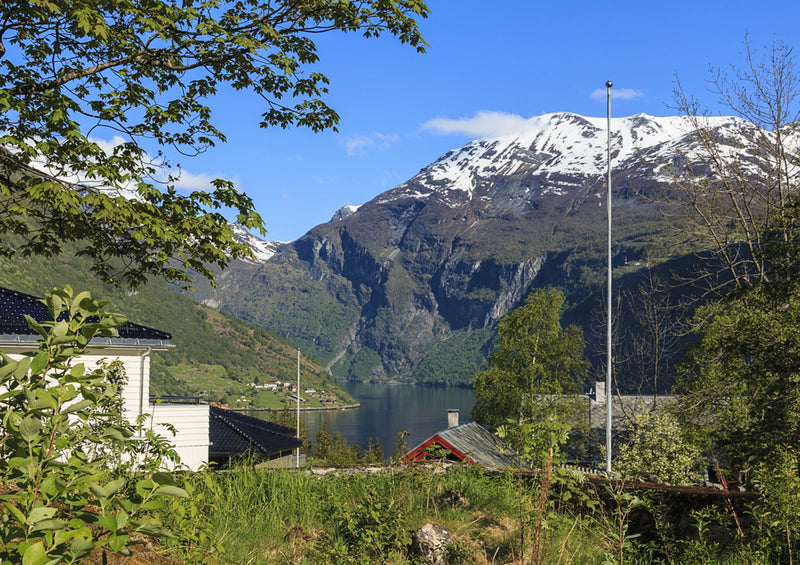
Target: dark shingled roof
[
  {"x": 232, "y": 433},
  {"x": 14, "y": 305}
]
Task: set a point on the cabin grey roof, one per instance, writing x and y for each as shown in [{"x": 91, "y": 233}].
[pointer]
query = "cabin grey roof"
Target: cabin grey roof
[
  {"x": 232, "y": 433},
  {"x": 480, "y": 445},
  {"x": 13, "y": 327}
]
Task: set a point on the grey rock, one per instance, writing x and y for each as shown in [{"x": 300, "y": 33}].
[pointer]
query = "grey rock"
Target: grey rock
[{"x": 430, "y": 544}]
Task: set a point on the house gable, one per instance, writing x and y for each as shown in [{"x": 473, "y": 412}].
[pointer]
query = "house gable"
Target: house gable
[
  {"x": 202, "y": 433},
  {"x": 132, "y": 347},
  {"x": 470, "y": 443}
]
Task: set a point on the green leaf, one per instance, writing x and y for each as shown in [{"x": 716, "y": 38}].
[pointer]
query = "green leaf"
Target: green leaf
[
  {"x": 81, "y": 547},
  {"x": 122, "y": 519},
  {"x": 99, "y": 491},
  {"x": 62, "y": 339},
  {"x": 78, "y": 304},
  {"x": 60, "y": 329},
  {"x": 80, "y": 531},
  {"x": 78, "y": 406},
  {"x": 115, "y": 433},
  {"x": 161, "y": 478},
  {"x": 117, "y": 542},
  {"x": 8, "y": 367},
  {"x": 155, "y": 530},
  {"x": 153, "y": 504},
  {"x": 35, "y": 555},
  {"x": 21, "y": 370},
  {"x": 16, "y": 512},
  {"x": 35, "y": 326},
  {"x": 108, "y": 522},
  {"x": 45, "y": 400},
  {"x": 171, "y": 490},
  {"x": 54, "y": 302},
  {"x": 61, "y": 536},
  {"x": 18, "y": 462},
  {"x": 113, "y": 486},
  {"x": 40, "y": 362},
  {"x": 41, "y": 513},
  {"x": 53, "y": 485},
  {"x": 29, "y": 429},
  {"x": 53, "y": 524}
]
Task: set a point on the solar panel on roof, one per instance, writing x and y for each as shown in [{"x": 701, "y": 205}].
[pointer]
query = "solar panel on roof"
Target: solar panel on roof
[{"x": 14, "y": 305}]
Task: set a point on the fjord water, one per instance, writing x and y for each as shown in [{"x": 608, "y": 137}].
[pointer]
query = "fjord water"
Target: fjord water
[{"x": 387, "y": 408}]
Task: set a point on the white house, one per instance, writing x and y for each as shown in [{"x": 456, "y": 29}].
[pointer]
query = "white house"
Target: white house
[{"x": 193, "y": 423}]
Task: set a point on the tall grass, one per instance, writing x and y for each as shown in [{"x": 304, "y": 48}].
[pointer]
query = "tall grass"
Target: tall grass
[
  {"x": 255, "y": 509},
  {"x": 293, "y": 517}
]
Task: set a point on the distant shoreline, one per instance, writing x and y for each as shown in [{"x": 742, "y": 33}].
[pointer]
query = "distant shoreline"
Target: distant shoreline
[{"x": 302, "y": 409}]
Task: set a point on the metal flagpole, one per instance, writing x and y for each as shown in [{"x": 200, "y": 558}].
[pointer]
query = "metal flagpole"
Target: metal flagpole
[
  {"x": 297, "y": 461},
  {"x": 608, "y": 304}
]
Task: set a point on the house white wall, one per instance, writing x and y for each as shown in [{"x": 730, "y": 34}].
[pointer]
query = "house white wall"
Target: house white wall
[{"x": 191, "y": 421}]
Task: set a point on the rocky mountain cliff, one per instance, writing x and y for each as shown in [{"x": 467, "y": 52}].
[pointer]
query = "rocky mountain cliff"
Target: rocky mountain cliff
[{"x": 410, "y": 284}]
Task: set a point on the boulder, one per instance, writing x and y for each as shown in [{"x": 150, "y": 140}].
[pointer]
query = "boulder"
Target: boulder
[{"x": 430, "y": 544}]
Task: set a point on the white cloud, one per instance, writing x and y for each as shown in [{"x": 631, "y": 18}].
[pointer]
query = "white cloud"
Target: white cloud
[
  {"x": 482, "y": 124},
  {"x": 181, "y": 178},
  {"x": 196, "y": 181},
  {"x": 358, "y": 145},
  {"x": 617, "y": 94},
  {"x": 108, "y": 145}
]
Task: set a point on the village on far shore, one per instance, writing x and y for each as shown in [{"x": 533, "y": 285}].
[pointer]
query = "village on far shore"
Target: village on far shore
[{"x": 277, "y": 395}]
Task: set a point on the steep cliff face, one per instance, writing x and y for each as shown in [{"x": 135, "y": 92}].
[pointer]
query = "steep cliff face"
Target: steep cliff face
[
  {"x": 442, "y": 257},
  {"x": 413, "y": 282}
]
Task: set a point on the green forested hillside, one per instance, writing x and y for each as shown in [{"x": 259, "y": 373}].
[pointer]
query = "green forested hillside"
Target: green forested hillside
[{"x": 216, "y": 355}]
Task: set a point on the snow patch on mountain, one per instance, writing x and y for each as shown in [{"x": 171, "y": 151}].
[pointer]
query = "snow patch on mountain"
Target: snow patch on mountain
[
  {"x": 554, "y": 146},
  {"x": 344, "y": 211},
  {"x": 262, "y": 249}
]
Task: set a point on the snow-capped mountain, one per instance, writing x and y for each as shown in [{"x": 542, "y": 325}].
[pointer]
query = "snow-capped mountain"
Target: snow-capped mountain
[
  {"x": 562, "y": 150},
  {"x": 391, "y": 287},
  {"x": 262, "y": 249},
  {"x": 557, "y": 154}
]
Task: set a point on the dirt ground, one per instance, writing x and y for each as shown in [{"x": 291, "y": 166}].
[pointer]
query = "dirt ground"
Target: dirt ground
[{"x": 143, "y": 552}]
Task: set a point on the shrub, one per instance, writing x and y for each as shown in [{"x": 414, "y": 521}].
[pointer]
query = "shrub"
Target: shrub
[
  {"x": 656, "y": 446},
  {"x": 64, "y": 491}
]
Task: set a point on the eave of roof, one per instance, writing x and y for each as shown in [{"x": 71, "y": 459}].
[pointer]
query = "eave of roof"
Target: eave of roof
[{"x": 232, "y": 433}]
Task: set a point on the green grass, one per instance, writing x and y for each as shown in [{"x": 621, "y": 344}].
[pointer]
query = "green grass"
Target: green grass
[
  {"x": 268, "y": 399},
  {"x": 266, "y": 516}
]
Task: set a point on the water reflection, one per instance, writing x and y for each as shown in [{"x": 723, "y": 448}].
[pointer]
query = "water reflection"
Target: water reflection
[{"x": 387, "y": 408}]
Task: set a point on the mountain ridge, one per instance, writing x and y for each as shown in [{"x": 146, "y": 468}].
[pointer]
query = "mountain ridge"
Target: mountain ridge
[
  {"x": 454, "y": 248},
  {"x": 216, "y": 356}
]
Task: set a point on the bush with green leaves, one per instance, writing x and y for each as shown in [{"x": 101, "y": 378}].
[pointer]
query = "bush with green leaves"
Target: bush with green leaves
[
  {"x": 63, "y": 489},
  {"x": 367, "y": 530},
  {"x": 778, "y": 512},
  {"x": 657, "y": 446}
]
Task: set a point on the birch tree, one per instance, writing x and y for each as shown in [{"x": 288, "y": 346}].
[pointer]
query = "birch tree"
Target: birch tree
[{"x": 736, "y": 181}]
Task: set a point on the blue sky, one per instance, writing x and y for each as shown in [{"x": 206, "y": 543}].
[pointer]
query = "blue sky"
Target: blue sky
[{"x": 488, "y": 64}]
